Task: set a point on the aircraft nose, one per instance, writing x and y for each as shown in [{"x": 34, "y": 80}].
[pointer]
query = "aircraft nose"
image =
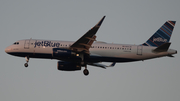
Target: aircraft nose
[{"x": 7, "y": 50}]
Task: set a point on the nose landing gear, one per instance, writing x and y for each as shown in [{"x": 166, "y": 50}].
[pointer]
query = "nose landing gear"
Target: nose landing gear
[
  {"x": 26, "y": 64},
  {"x": 27, "y": 60}
]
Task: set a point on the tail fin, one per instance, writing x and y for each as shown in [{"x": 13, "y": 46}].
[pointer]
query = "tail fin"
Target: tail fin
[{"x": 162, "y": 35}]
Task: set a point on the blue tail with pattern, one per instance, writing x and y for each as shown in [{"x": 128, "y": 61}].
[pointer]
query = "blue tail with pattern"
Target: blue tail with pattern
[{"x": 162, "y": 35}]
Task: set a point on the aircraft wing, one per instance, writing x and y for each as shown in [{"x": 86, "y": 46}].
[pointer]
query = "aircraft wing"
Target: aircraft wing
[
  {"x": 102, "y": 65},
  {"x": 84, "y": 43}
]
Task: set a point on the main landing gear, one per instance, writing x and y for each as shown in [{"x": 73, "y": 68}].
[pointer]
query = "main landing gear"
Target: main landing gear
[
  {"x": 27, "y": 60},
  {"x": 86, "y": 72}
]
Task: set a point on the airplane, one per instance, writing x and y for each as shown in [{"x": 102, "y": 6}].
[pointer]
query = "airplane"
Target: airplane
[{"x": 72, "y": 56}]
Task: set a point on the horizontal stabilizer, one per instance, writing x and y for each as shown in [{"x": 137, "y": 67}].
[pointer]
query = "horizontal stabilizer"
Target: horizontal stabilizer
[
  {"x": 171, "y": 56},
  {"x": 101, "y": 65},
  {"x": 162, "y": 48}
]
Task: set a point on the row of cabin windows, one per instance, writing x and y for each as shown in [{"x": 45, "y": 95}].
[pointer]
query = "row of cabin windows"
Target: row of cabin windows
[
  {"x": 105, "y": 47},
  {"x": 111, "y": 48},
  {"x": 102, "y": 47}
]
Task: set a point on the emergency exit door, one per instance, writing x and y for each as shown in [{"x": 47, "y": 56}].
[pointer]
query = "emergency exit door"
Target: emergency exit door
[
  {"x": 139, "y": 50},
  {"x": 26, "y": 44}
]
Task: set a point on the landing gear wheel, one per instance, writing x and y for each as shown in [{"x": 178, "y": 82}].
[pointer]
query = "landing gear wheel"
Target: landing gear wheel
[
  {"x": 26, "y": 64},
  {"x": 86, "y": 72},
  {"x": 27, "y": 60}
]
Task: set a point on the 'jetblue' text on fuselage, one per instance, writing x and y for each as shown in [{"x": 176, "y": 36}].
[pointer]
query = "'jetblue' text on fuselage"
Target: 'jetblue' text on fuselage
[{"x": 46, "y": 44}]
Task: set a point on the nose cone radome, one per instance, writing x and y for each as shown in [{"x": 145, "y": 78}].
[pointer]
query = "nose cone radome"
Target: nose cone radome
[{"x": 8, "y": 49}]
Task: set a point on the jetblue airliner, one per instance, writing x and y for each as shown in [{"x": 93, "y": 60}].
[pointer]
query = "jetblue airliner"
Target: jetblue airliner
[{"x": 87, "y": 51}]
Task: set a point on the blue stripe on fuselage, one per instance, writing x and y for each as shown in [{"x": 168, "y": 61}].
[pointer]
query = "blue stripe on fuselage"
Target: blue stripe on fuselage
[{"x": 74, "y": 59}]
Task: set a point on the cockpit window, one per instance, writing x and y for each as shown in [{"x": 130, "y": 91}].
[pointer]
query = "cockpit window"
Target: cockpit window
[{"x": 16, "y": 43}]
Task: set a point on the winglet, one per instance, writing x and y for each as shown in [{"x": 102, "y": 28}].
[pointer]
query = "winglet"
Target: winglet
[{"x": 100, "y": 22}]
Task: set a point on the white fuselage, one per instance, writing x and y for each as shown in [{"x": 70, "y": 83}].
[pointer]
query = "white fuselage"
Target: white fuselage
[
  {"x": 35, "y": 48},
  {"x": 84, "y": 51}
]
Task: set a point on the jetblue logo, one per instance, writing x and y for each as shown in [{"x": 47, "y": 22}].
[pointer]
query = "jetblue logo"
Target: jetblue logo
[
  {"x": 159, "y": 39},
  {"x": 47, "y": 44}
]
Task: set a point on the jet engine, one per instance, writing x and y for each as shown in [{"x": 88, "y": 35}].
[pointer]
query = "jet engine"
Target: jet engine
[{"x": 68, "y": 66}]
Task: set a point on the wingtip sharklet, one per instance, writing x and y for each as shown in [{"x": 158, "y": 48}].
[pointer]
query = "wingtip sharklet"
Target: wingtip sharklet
[{"x": 100, "y": 22}]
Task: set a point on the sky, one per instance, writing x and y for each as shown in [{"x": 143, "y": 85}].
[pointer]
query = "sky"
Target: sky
[{"x": 126, "y": 22}]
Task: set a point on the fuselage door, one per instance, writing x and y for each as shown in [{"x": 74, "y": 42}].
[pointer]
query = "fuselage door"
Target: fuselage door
[
  {"x": 139, "y": 50},
  {"x": 27, "y": 44}
]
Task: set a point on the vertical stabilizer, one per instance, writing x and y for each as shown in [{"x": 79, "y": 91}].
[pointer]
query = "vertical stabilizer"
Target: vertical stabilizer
[{"x": 162, "y": 35}]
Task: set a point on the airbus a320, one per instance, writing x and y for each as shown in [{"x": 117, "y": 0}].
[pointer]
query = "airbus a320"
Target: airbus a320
[{"x": 86, "y": 50}]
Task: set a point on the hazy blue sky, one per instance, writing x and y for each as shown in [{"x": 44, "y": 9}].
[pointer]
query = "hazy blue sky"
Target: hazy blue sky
[{"x": 126, "y": 22}]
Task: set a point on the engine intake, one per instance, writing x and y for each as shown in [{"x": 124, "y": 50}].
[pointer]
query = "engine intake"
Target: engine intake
[{"x": 68, "y": 66}]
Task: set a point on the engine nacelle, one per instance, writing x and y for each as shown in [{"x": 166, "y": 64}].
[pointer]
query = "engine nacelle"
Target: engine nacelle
[
  {"x": 68, "y": 66},
  {"x": 60, "y": 52}
]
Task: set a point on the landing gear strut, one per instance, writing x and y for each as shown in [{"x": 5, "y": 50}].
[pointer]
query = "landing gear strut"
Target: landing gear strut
[
  {"x": 27, "y": 60},
  {"x": 86, "y": 72}
]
